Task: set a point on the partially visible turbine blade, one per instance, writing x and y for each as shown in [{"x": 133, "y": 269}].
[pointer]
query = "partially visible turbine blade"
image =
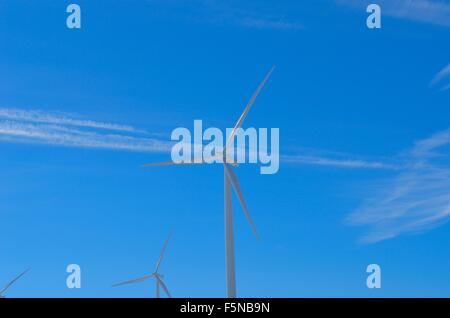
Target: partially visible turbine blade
[
  {"x": 167, "y": 163},
  {"x": 171, "y": 163},
  {"x": 161, "y": 255},
  {"x": 13, "y": 281},
  {"x": 135, "y": 280},
  {"x": 248, "y": 106},
  {"x": 163, "y": 286},
  {"x": 237, "y": 188}
]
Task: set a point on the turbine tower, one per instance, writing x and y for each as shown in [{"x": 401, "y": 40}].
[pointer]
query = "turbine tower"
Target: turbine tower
[
  {"x": 156, "y": 275},
  {"x": 8, "y": 286},
  {"x": 230, "y": 181}
]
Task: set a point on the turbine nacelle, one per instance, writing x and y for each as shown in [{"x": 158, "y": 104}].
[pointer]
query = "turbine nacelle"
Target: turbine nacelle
[{"x": 227, "y": 159}]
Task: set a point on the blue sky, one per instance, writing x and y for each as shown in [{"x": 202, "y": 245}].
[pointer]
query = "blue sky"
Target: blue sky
[{"x": 363, "y": 117}]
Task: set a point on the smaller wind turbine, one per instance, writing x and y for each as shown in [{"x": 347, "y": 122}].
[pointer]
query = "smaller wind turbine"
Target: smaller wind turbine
[
  {"x": 158, "y": 277},
  {"x": 8, "y": 286}
]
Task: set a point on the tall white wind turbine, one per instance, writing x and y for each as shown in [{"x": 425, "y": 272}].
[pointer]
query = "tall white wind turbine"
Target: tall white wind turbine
[
  {"x": 8, "y": 286},
  {"x": 156, "y": 275},
  {"x": 230, "y": 181}
]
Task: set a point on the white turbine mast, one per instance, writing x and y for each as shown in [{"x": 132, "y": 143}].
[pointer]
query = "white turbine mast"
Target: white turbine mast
[{"x": 8, "y": 286}]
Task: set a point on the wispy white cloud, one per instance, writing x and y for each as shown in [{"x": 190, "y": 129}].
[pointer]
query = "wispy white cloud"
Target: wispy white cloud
[
  {"x": 38, "y": 127},
  {"x": 221, "y": 12},
  {"x": 336, "y": 162},
  {"x": 37, "y": 116},
  {"x": 445, "y": 88},
  {"x": 440, "y": 76},
  {"x": 428, "y": 11},
  {"x": 415, "y": 200},
  {"x": 266, "y": 23},
  {"x": 25, "y": 126},
  {"x": 425, "y": 148}
]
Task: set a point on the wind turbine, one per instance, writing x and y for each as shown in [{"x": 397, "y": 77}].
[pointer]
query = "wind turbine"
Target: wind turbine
[
  {"x": 158, "y": 277},
  {"x": 8, "y": 286},
  {"x": 230, "y": 181}
]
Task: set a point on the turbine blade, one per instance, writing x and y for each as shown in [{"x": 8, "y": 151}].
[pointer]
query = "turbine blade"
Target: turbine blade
[
  {"x": 135, "y": 280},
  {"x": 163, "y": 286},
  {"x": 237, "y": 188},
  {"x": 167, "y": 163},
  {"x": 248, "y": 106},
  {"x": 171, "y": 163},
  {"x": 13, "y": 281},
  {"x": 161, "y": 255}
]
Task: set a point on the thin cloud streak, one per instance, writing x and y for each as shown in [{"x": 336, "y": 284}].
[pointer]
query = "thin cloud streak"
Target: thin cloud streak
[
  {"x": 38, "y": 127},
  {"x": 415, "y": 200},
  {"x": 220, "y": 12},
  {"x": 63, "y": 136},
  {"x": 440, "y": 76},
  {"x": 338, "y": 163},
  {"x": 266, "y": 23},
  {"x": 445, "y": 88},
  {"x": 36, "y": 116}
]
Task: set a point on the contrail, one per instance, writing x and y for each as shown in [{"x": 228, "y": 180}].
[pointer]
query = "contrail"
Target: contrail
[{"x": 36, "y": 116}]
